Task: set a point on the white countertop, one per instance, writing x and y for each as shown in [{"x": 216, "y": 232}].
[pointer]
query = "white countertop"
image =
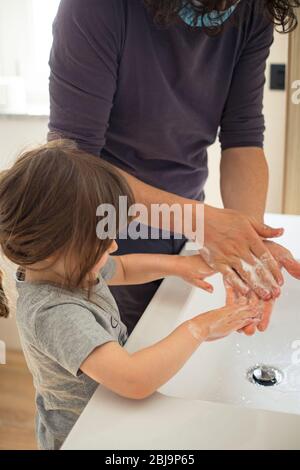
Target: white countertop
[{"x": 160, "y": 422}]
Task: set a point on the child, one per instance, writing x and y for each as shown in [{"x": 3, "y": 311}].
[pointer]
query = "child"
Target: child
[{"x": 68, "y": 321}]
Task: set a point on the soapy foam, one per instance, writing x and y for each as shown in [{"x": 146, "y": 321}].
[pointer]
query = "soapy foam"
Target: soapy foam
[
  {"x": 254, "y": 270},
  {"x": 197, "y": 331},
  {"x": 234, "y": 279}
]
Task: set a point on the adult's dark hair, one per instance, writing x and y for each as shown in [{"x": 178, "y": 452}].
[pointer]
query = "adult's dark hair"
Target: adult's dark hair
[{"x": 281, "y": 12}]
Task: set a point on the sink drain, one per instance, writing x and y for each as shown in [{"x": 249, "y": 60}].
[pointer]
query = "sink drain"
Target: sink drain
[{"x": 266, "y": 376}]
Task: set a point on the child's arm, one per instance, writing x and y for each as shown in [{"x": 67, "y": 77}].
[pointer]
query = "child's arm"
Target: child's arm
[
  {"x": 140, "y": 374},
  {"x": 143, "y": 268}
]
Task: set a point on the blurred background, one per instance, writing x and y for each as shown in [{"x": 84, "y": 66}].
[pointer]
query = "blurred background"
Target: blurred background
[{"x": 25, "y": 41}]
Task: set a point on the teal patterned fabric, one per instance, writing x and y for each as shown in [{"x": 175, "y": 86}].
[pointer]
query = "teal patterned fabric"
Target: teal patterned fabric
[{"x": 209, "y": 20}]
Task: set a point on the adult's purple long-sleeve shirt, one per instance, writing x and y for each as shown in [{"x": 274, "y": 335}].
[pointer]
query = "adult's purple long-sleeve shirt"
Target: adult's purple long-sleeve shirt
[{"x": 150, "y": 100}]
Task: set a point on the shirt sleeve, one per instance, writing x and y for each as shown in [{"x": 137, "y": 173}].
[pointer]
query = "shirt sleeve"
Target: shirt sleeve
[
  {"x": 242, "y": 123},
  {"x": 109, "y": 269},
  {"x": 68, "y": 334},
  {"x": 87, "y": 43}
]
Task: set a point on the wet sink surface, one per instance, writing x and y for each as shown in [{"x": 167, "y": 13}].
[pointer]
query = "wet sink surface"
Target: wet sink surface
[{"x": 218, "y": 371}]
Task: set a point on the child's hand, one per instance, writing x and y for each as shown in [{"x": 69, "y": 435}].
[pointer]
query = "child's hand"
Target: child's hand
[
  {"x": 217, "y": 324},
  {"x": 265, "y": 308},
  {"x": 193, "y": 269}
]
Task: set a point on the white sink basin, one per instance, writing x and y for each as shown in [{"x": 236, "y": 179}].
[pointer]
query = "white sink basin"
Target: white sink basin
[
  {"x": 218, "y": 371},
  {"x": 214, "y": 378}
]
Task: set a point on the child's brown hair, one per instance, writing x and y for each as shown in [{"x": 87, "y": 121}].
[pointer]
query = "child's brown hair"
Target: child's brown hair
[{"x": 48, "y": 203}]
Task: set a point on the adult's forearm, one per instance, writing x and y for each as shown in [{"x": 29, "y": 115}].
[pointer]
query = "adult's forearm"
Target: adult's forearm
[
  {"x": 183, "y": 221},
  {"x": 232, "y": 234},
  {"x": 245, "y": 180}
]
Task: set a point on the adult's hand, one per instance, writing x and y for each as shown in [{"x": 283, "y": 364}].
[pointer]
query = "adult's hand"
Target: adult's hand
[
  {"x": 266, "y": 312},
  {"x": 234, "y": 247},
  {"x": 285, "y": 260},
  {"x": 233, "y": 241}
]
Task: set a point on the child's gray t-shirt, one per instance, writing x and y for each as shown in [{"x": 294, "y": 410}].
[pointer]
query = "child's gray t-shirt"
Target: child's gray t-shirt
[{"x": 59, "y": 329}]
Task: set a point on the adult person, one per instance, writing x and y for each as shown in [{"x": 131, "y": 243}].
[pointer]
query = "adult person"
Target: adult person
[{"x": 146, "y": 85}]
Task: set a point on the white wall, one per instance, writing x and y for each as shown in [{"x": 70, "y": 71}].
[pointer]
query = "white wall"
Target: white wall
[
  {"x": 275, "y": 111},
  {"x": 25, "y": 40},
  {"x": 14, "y": 21},
  {"x": 16, "y": 133},
  {"x": 275, "y": 114}
]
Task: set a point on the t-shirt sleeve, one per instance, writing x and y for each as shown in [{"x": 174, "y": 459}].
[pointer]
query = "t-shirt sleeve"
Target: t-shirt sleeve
[
  {"x": 87, "y": 43},
  {"x": 242, "y": 123},
  {"x": 109, "y": 269},
  {"x": 68, "y": 333}
]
